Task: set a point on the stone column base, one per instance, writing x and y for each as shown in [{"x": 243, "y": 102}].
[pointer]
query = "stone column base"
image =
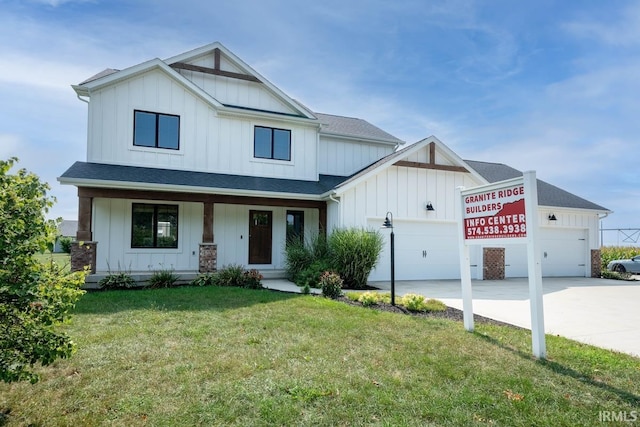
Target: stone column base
[
  {"x": 596, "y": 263},
  {"x": 83, "y": 255},
  {"x": 208, "y": 259},
  {"x": 493, "y": 264}
]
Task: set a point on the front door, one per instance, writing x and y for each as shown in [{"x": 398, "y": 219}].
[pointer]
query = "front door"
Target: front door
[{"x": 260, "y": 237}]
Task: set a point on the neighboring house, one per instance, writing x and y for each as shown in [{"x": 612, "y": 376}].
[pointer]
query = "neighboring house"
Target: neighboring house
[
  {"x": 197, "y": 162},
  {"x": 67, "y": 228}
]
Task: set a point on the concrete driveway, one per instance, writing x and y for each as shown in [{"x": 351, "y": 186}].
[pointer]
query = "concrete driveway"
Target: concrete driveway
[{"x": 601, "y": 312}]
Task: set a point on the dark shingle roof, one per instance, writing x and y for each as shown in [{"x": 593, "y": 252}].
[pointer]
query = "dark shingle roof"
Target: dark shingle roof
[
  {"x": 352, "y": 127},
  {"x": 118, "y": 173},
  {"x": 548, "y": 195}
]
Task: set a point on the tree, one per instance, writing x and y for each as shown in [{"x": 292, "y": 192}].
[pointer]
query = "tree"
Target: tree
[{"x": 35, "y": 298}]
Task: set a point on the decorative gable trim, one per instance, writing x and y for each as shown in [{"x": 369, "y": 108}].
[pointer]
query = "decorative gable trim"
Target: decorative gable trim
[
  {"x": 215, "y": 70},
  {"x": 432, "y": 163}
]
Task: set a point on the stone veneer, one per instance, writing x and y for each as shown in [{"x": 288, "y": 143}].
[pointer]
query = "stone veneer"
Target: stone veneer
[
  {"x": 83, "y": 254},
  {"x": 208, "y": 258},
  {"x": 596, "y": 263},
  {"x": 493, "y": 264}
]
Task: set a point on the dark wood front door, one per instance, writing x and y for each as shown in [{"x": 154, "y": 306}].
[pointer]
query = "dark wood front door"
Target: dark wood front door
[{"x": 260, "y": 237}]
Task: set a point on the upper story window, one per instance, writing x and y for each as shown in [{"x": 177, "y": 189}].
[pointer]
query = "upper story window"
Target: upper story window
[
  {"x": 270, "y": 143},
  {"x": 156, "y": 130}
]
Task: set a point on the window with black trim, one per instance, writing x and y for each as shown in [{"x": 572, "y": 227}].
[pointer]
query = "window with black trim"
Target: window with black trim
[
  {"x": 295, "y": 226},
  {"x": 154, "y": 226},
  {"x": 271, "y": 143},
  {"x": 156, "y": 130}
]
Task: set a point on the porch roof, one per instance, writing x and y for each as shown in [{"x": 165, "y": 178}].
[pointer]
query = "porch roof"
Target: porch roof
[{"x": 118, "y": 176}]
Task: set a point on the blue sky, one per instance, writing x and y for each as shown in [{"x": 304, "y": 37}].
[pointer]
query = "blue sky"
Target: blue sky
[{"x": 550, "y": 86}]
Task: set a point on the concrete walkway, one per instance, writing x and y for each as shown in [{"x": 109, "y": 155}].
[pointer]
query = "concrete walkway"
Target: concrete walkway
[{"x": 600, "y": 312}]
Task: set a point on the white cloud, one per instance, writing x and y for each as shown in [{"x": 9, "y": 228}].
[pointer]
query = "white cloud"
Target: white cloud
[{"x": 621, "y": 30}]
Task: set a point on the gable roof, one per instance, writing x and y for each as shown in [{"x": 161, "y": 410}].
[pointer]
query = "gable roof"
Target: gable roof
[
  {"x": 110, "y": 76},
  {"x": 548, "y": 195},
  {"x": 404, "y": 153},
  {"x": 136, "y": 177},
  {"x": 353, "y": 128}
]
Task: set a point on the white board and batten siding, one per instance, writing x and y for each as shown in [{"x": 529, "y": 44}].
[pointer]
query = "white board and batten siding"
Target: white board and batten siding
[
  {"x": 231, "y": 233},
  {"x": 425, "y": 241},
  {"x": 565, "y": 244},
  {"x": 112, "y": 231},
  {"x": 208, "y": 142},
  {"x": 344, "y": 158}
]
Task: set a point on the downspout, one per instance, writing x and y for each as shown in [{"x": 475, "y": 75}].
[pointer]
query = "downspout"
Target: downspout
[
  {"x": 82, "y": 99},
  {"x": 600, "y": 218},
  {"x": 333, "y": 199}
]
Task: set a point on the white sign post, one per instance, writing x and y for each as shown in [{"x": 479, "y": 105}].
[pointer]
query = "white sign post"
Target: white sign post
[{"x": 503, "y": 212}]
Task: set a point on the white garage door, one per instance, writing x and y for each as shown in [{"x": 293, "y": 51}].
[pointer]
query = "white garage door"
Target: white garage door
[
  {"x": 423, "y": 251},
  {"x": 564, "y": 254}
]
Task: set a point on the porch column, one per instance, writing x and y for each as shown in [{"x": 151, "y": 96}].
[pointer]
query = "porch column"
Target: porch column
[
  {"x": 208, "y": 253},
  {"x": 207, "y": 223},
  {"x": 322, "y": 218},
  {"x": 85, "y": 205},
  {"x": 83, "y": 251}
]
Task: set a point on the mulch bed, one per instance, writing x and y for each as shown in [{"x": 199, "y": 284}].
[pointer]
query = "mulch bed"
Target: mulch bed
[{"x": 450, "y": 313}]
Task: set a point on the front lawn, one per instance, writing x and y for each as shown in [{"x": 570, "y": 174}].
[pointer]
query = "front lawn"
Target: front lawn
[{"x": 230, "y": 356}]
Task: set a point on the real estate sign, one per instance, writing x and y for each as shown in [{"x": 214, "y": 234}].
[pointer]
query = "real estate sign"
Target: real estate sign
[
  {"x": 504, "y": 212},
  {"x": 496, "y": 213}
]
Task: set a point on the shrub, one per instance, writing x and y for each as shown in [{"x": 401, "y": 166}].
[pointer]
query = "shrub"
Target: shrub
[
  {"x": 231, "y": 275},
  {"x": 331, "y": 284},
  {"x": 369, "y": 298},
  {"x": 65, "y": 244},
  {"x": 206, "y": 279},
  {"x": 415, "y": 302},
  {"x": 306, "y": 290},
  {"x": 354, "y": 253},
  {"x": 252, "y": 279},
  {"x": 162, "y": 279},
  {"x": 118, "y": 280},
  {"x": 299, "y": 255},
  {"x": 606, "y": 274},
  {"x": 310, "y": 276}
]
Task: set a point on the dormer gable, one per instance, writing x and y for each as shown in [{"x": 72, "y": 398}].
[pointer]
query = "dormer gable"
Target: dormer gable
[{"x": 230, "y": 80}]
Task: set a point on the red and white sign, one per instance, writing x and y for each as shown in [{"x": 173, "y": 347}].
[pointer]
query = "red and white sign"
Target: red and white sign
[{"x": 495, "y": 214}]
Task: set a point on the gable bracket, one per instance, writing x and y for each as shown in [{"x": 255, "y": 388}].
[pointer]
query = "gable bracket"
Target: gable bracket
[
  {"x": 432, "y": 163},
  {"x": 215, "y": 71}
]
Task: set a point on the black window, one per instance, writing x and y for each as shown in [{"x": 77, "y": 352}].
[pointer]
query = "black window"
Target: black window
[
  {"x": 295, "y": 226},
  {"x": 269, "y": 143},
  {"x": 154, "y": 226},
  {"x": 156, "y": 130}
]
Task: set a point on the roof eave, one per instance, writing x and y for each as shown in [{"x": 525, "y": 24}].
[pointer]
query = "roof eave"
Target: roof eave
[
  {"x": 128, "y": 185},
  {"x": 389, "y": 142}
]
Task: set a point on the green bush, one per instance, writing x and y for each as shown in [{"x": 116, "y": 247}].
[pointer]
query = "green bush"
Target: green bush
[
  {"x": 65, "y": 244},
  {"x": 354, "y": 253},
  {"x": 310, "y": 276},
  {"x": 231, "y": 275},
  {"x": 252, "y": 279},
  {"x": 162, "y": 279},
  {"x": 369, "y": 298},
  {"x": 606, "y": 274},
  {"x": 205, "y": 279},
  {"x": 118, "y": 280},
  {"x": 331, "y": 284},
  {"x": 299, "y": 255}
]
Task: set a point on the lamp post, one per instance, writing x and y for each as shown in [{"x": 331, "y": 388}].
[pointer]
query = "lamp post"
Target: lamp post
[{"x": 388, "y": 223}]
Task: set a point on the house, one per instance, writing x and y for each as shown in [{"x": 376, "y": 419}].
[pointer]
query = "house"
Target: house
[
  {"x": 198, "y": 161},
  {"x": 66, "y": 229}
]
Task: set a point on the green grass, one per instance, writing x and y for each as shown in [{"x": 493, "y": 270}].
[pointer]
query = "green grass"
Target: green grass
[
  {"x": 62, "y": 259},
  {"x": 230, "y": 356}
]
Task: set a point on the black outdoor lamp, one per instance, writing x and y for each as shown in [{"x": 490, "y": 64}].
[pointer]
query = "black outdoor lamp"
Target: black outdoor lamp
[{"x": 388, "y": 223}]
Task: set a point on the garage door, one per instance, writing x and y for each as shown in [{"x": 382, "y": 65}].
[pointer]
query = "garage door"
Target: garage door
[
  {"x": 423, "y": 251},
  {"x": 564, "y": 254}
]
